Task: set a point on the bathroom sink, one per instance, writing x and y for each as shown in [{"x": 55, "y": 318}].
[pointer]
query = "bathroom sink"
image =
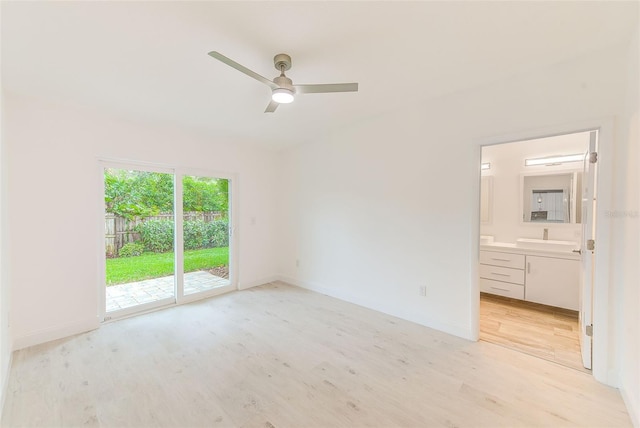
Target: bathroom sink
[
  {"x": 541, "y": 244},
  {"x": 486, "y": 239}
]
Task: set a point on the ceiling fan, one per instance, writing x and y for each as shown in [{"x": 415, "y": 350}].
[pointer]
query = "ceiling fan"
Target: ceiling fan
[{"x": 282, "y": 88}]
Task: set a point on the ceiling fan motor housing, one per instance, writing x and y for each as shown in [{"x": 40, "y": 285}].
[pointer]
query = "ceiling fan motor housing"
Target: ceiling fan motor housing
[
  {"x": 284, "y": 82},
  {"x": 282, "y": 60}
]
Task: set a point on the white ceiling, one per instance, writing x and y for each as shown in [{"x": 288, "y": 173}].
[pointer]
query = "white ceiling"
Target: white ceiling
[{"x": 148, "y": 60}]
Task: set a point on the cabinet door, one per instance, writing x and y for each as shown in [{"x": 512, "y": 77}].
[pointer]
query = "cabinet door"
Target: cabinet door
[{"x": 553, "y": 282}]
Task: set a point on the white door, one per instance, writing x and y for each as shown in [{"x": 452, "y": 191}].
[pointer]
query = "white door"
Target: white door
[{"x": 588, "y": 250}]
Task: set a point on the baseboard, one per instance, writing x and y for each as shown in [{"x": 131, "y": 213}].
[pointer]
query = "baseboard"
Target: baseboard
[
  {"x": 633, "y": 407},
  {"x": 59, "y": 332},
  {"x": 251, "y": 284},
  {"x": 54, "y": 333},
  {"x": 464, "y": 333}
]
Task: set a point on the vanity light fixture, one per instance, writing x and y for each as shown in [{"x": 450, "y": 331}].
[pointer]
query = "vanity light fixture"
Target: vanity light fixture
[
  {"x": 485, "y": 165},
  {"x": 554, "y": 160}
]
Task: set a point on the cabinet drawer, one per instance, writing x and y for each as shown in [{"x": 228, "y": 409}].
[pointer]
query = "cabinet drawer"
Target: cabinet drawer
[
  {"x": 515, "y": 276},
  {"x": 505, "y": 289},
  {"x": 502, "y": 259}
]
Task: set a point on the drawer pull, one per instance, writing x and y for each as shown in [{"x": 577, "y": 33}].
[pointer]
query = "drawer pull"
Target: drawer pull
[
  {"x": 500, "y": 274},
  {"x": 500, "y": 260},
  {"x": 501, "y": 289}
]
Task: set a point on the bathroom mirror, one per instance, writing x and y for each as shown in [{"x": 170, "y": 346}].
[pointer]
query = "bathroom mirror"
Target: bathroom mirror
[
  {"x": 550, "y": 198},
  {"x": 486, "y": 199}
]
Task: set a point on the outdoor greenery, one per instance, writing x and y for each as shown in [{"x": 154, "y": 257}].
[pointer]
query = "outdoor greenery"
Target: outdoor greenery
[
  {"x": 203, "y": 194},
  {"x": 155, "y": 265},
  {"x": 137, "y": 193},
  {"x": 157, "y": 235},
  {"x": 201, "y": 234},
  {"x": 142, "y": 194},
  {"x": 131, "y": 249}
]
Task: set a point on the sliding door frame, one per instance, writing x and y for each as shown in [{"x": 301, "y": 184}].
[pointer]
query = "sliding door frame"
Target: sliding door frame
[{"x": 178, "y": 210}]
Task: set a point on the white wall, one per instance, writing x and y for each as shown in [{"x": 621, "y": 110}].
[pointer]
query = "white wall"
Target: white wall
[
  {"x": 625, "y": 216},
  {"x": 507, "y": 164},
  {"x": 5, "y": 331},
  {"x": 391, "y": 204},
  {"x": 54, "y": 205}
]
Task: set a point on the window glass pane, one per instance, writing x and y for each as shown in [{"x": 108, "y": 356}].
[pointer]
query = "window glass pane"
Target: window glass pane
[
  {"x": 139, "y": 238},
  {"x": 205, "y": 232}
]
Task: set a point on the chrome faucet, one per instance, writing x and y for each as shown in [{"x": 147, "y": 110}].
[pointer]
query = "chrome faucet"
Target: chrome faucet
[{"x": 545, "y": 234}]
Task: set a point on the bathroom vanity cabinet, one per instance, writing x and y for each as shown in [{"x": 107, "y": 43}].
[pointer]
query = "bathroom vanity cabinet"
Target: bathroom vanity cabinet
[
  {"x": 553, "y": 281},
  {"x": 502, "y": 274},
  {"x": 550, "y": 278}
]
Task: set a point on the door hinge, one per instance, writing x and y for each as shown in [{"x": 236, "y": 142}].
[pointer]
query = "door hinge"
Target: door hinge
[
  {"x": 593, "y": 157},
  {"x": 589, "y": 330},
  {"x": 591, "y": 244}
]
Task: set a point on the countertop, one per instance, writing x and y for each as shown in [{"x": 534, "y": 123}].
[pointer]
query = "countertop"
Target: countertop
[{"x": 505, "y": 247}]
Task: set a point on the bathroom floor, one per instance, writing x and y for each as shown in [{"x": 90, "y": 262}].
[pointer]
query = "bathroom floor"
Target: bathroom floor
[{"x": 534, "y": 329}]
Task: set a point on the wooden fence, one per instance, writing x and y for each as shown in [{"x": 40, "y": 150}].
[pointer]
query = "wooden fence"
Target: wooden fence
[{"x": 119, "y": 230}]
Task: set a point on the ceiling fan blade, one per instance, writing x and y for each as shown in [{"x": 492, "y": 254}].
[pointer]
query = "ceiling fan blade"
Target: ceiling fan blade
[
  {"x": 271, "y": 107},
  {"x": 324, "y": 88},
  {"x": 242, "y": 69}
]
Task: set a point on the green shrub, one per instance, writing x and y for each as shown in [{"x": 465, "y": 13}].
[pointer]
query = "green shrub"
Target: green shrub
[
  {"x": 217, "y": 233},
  {"x": 156, "y": 235},
  {"x": 131, "y": 249},
  {"x": 200, "y": 234},
  {"x": 195, "y": 235}
]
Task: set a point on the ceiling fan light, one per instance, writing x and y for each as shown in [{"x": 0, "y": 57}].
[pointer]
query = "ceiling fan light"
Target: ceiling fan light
[{"x": 282, "y": 95}]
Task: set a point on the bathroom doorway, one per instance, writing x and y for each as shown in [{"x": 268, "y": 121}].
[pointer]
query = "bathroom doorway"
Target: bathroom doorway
[{"x": 537, "y": 225}]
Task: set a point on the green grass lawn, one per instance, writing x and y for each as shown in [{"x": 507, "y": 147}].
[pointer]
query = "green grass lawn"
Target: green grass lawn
[{"x": 154, "y": 265}]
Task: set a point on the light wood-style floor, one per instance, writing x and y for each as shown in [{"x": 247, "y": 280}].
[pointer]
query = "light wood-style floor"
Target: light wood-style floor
[
  {"x": 280, "y": 356},
  {"x": 539, "y": 330}
]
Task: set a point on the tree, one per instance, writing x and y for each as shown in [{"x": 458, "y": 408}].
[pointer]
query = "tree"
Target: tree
[
  {"x": 140, "y": 193},
  {"x": 137, "y": 193}
]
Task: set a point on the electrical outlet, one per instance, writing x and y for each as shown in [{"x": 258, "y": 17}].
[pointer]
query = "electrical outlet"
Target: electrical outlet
[
  {"x": 297, "y": 263},
  {"x": 423, "y": 290}
]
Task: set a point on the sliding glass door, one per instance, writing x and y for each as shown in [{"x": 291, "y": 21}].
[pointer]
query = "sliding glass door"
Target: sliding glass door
[
  {"x": 139, "y": 239},
  {"x": 166, "y": 237},
  {"x": 205, "y": 228}
]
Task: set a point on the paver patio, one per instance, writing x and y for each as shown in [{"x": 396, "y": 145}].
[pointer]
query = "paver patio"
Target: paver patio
[{"x": 123, "y": 296}]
